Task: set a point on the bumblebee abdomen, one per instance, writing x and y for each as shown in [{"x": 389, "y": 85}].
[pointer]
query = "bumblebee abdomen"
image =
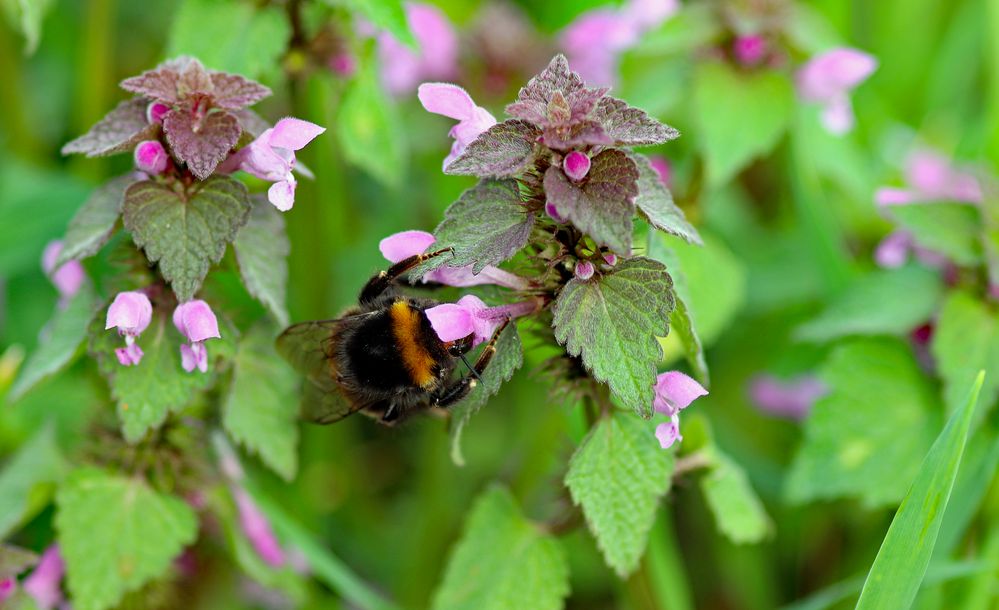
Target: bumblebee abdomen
[{"x": 410, "y": 338}]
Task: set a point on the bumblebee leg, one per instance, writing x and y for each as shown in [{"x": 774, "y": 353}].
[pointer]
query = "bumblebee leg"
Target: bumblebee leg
[
  {"x": 458, "y": 390},
  {"x": 378, "y": 284}
]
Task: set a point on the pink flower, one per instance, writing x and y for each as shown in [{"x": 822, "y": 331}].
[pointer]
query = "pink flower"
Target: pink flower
[
  {"x": 272, "y": 157},
  {"x": 8, "y": 588},
  {"x": 453, "y": 321},
  {"x": 828, "y": 79},
  {"x": 593, "y": 42},
  {"x": 931, "y": 177},
  {"x": 750, "y": 50},
  {"x": 576, "y": 165},
  {"x": 43, "y": 585},
  {"x": 437, "y": 58},
  {"x": 584, "y": 270},
  {"x": 402, "y": 245},
  {"x": 156, "y": 111},
  {"x": 662, "y": 167},
  {"x": 454, "y": 102},
  {"x": 68, "y": 277},
  {"x": 894, "y": 251},
  {"x": 792, "y": 398},
  {"x": 674, "y": 392},
  {"x": 343, "y": 64},
  {"x": 258, "y": 529},
  {"x": 196, "y": 321},
  {"x": 151, "y": 157},
  {"x": 130, "y": 312}
]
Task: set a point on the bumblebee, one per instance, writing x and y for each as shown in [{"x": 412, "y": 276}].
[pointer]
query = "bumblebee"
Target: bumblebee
[{"x": 382, "y": 357}]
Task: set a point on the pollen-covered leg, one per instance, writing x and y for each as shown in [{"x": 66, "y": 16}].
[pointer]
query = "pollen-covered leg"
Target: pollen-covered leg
[
  {"x": 378, "y": 284},
  {"x": 455, "y": 392}
]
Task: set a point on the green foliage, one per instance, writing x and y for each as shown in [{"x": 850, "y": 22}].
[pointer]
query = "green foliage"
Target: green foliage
[
  {"x": 503, "y": 561},
  {"x": 147, "y": 392},
  {"x": 203, "y": 29},
  {"x": 259, "y": 411},
  {"x": 738, "y": 511},
  {"x": 27, "y": 15},
  {"x": 951, "y": 229},
  {"x": 262, "y": 248},
  {"x": 385, "y": 15},
  {"x": 186, "y": 232},
  {"x": 14, "y": 560},
  {"x": 486, "y": 226},
  {"x": 370, "y": 130},
  {"x": 618, "y": 475},
  {"x": 890, "y": 302},
  {"x": 852, "y": 444},
  {"x": 67, "y": 330},
  {"x": 908, "y": 546},
  {"x": 655, "y": 202},
  {"x": 502, "y": 151},
  {"x": 965, "y": 342},
  {"x": 740, "y": 116},
  {"x": 612, "y": 320},
  {"x": 94, "y": 222},
  {"x": 116, "y": 534},
  {"x": 28, "y": 480}
]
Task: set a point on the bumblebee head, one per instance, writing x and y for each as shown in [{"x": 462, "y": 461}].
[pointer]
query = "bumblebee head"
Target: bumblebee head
[{"x": 460, "y": 347}]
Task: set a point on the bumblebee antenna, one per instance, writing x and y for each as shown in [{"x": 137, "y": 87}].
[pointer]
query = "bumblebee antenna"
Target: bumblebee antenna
[{"x": 471, "y": 369}]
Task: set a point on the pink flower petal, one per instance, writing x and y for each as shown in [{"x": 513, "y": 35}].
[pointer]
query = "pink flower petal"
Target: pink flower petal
[
  {"x": 8, "y": 588},
  {"x": 130, "y": 312},
  {"x": 669, "y": 432},
  {"x": 483, "y": 325},
  {"x": 151, "y": 157},
  {"x": 436, "y": 38},
  {"x": 576, "y": 165},
  {"x": 837, "y": 115},
  {"x": 928, "y": 172},
  {"x": 749, "y": 50},
  {"x": 294, "y": 134},
  {"x": 282, "y": 195},
  {"x": 258, "y": 530},
  {"x": 893, "y": 250},
  {"x": 675, "y": 391},
  {"x": 156, "y": 111},
  {"x": 454, "y": 102},
  {"x": 196, "y": 321},
  {"x": 404, "y": 244},
  {"x": 129, "y": 355},
  {"x": 450, "y": 321},
  {"x": 584, "y": 270},
  {"x": 662, "y": 167},
  {"x": 791, "y": 398},
  {"x": 43, "y": 585},
  {"x": 834, "y": 73},
  {"x": 69, "y": 277},
  {"x": 887, "y": 196}
]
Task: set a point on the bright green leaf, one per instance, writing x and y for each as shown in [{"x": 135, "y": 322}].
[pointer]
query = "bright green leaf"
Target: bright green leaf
[
  {"x": 952, "y": 229},
  {"x": 389, "y": 15},
  {"x": 901, "y": 563},
  {"x": 887, "y": 301},
  {"x": 117, "y": 534},
  {"x": 262, "y": 249},
  {"x": 655, "y": 202},
  {"x": 739, "y": 115},
  {"x": 612, "y": 320},
  {"x": 28, "y": 480},
  {"x": 618, "y": 475},
  {"x": 853, "y": 445},
  {"x": 94, "y": 222},
  {"x": 738, "y": 511},
  {"x": 369, "y": 129},
  {"x": 965, "y": 342},
  {"x": 59, "y": 344},
  {"x": 261, "y": 410},
  {"x": 503, "y": 561}
]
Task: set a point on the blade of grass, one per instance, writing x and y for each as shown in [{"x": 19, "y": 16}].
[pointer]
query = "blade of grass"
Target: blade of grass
[{"x": 901, "y": 562}]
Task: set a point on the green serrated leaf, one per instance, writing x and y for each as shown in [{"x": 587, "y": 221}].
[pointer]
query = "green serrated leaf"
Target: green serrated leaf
[
  {"x": 261, "y": 410},
  {"x": 148, "y": 391},
  {"x": 59, "y": 345},
  {"x": 603, "y": 204},
  {"x": 186, "y": 234},
  {"x": 738, "y": 511},
  {"x": 503, "y": 561},
  {"x": 486, "y": 226},
  {"x": 963, "y": 343},
  {"x": 886, "y": 301},
  {"x": 369, "y": 129},
  {"x": 116, "y": 534},
  {"x": 203, "y": 29},
  {"x": 94, "y": 222},
  {"x": 852, "y": 444},
  {"x": 682, "y": 325},
  {"x": 28, "y": 479},
  {"x": 739, "y": 115},
  {"x": 618, "y": 475},
  {"x": 14, "y": 560},
  {"x": 612, "y": 320},
  {"x": 508, "y": 358},
  {"x": 655, "y": 202},
  {"x": 389, "y": 15},
  {"x": 262, "y": 249},
  {"x": 901, "y": 562},
  {"x": 952, "y": 229}
]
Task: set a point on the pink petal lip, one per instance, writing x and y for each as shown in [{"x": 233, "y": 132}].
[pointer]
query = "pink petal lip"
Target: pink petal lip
[
  {"x": 675, "y": 391},
  {"x": 404, "y": 244},
  {"x": 450, "y": 321},
  {"x": 196, "y": 321},
  {"x": 834, "y": 72},
  {"x": 131, "y": 312},
  {"x": 294, "y": 134}
]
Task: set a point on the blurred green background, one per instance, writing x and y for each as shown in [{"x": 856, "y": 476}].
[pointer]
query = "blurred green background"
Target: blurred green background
[{"x": 784, "y": 236}]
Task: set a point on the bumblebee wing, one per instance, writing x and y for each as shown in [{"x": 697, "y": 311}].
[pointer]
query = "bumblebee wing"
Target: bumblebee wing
[
  {"x": 308, "y": 347},
  {"x": 324, "y": 403}
]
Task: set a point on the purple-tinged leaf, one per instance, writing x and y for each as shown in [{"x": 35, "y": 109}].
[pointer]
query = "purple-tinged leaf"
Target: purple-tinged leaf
[
  {"x": 655, "y": 202},
  {"x": 504, "y": 150},
  {"x": 185, "y": 232},
  {"x": 194, "y": 79},
  {"x": 556, "y": 96},
  {"x": 251, "y": 122},
  {"x": 577, "y": 135},
  {"x": 629, "y": 126},
  {"x": 158, "y": 84},
  {"x": 233, "y": 92},
  {"x": 119, "y": 131},
  {"x": 602, "y": 204},
  {"x": 202, "y": 143}
]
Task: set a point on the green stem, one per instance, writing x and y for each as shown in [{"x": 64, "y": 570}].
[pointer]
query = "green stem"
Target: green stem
[
  {"x": 663, "y": 566},
  {"x": 94, "y": 73}
]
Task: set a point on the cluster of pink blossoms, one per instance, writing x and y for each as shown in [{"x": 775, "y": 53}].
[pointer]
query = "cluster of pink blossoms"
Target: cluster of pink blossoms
[
  {"x": 828, "y": 79},
  {"x": 131, "y": 312}
]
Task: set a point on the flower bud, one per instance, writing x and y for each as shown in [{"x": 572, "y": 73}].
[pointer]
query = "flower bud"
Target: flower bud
[
  {"x": 576, "y": 165},
  {"x": 584, "y": 270},
  {"x": 156, "y": 111},
  {"x": 749, "y": 50},
  {"x": 151, "y": 157}
]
